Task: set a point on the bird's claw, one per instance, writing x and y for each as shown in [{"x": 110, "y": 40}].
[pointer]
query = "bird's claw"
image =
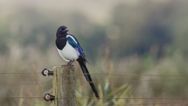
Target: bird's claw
[{"x": 70, "y": 62}]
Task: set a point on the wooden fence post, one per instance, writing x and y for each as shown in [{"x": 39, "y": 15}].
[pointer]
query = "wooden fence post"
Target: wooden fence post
[
  {"x": 63, "y": 85},
  {"x": 68, "y": 86}
]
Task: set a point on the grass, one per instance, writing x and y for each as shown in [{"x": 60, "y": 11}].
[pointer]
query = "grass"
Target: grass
[{"x": 116, "y": 82}]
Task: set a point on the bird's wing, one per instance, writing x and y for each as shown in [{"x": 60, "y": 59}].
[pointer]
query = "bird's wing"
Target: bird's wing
[{"x": 75, "y": 44}]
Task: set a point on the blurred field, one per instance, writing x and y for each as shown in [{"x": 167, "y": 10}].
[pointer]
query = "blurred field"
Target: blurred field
[{"x": 137, "y": 50}]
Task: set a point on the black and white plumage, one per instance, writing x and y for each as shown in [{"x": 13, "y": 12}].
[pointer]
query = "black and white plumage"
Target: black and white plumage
[{"x": 70, "y": 50}]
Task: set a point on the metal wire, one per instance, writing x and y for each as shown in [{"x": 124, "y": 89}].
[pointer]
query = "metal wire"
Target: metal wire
[
  {"x": 154, "y": 101},
  {"x": 177, "y": 101},
  {"x": 126, "y": 98},
  {"x": 173, "y": 101},
  {"x": 32, "y": 81},
  {"x": 100, "y": 73}
]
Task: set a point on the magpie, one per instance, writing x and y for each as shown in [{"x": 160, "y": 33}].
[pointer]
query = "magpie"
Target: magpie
[{"x": 70, "y": 50}]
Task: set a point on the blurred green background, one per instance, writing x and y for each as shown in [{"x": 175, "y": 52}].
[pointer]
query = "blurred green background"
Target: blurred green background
[{"x": 136, "y": 49}]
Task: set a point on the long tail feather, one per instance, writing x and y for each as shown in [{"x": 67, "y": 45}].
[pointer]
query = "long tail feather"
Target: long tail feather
[{"x": 85, "y": 71}]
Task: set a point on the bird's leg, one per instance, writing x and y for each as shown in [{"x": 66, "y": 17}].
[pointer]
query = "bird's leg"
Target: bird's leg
[{"x": 70, "y": 62}]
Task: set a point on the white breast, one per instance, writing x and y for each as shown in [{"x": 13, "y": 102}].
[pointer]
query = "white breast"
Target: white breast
[{"x": 68, "y": 53}]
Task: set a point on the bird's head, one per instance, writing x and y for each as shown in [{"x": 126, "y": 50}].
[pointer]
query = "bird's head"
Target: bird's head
[{"x": 61, "y": 31}]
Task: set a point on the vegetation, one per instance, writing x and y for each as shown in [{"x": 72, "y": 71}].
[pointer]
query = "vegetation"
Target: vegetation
[{"x": 137, "y": 56}]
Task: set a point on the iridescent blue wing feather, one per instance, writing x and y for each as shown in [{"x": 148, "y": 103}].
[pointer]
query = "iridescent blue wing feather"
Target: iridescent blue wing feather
[{"x": 75, "y": 44}]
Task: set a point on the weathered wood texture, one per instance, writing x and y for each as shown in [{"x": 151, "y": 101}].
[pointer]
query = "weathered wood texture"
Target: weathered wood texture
[
  {"x": 68, "y": 86},
  {"x": 64, "y": 86}
]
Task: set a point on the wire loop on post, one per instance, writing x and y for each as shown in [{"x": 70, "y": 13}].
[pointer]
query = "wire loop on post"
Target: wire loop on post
[
  {"x": 47, "y": 72},
  {"x": 48, "y": 97}
]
